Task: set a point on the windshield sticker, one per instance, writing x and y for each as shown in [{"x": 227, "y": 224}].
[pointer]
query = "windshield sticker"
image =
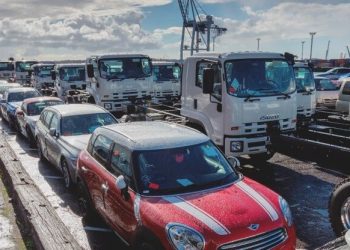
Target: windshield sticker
[
  {"x": 153, "y": 186},
  {"x": 184, "y": 182}
]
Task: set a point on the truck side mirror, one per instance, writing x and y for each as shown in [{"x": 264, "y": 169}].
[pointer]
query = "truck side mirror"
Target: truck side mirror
[
  {"x": 234, "y": 162},
  {"x": 208, "y": 80},
  {"x": 90, "y": 70},
  {"x": 53, "y": 75}
]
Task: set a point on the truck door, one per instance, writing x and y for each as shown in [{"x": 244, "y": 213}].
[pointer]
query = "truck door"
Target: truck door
[{"x": 210, "y": 107}]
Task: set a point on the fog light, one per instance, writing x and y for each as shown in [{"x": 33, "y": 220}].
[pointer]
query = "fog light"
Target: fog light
[
  {"x": 108, "y": 106},
  {"x": 236, "y": 146}
]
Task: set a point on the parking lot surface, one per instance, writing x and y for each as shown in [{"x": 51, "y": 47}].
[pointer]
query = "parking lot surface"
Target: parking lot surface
[{"x": 305, "y": 184}]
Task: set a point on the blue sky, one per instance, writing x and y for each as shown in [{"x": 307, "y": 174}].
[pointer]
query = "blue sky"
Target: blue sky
[{"x": 64, "y": 29}]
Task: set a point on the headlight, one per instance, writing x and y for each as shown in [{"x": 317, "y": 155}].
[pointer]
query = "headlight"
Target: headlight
[
  {"x": 184, "y": 238},
  {"x": 236, "y": 146},
  {"x": 108, "y": 106},
  {"x": 286, "y": 211}
]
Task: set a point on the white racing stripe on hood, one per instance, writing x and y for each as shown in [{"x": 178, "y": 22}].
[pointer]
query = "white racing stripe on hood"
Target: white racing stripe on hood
[
  {"x": 258, "y": 198},
  {"x": 199, "y": 214}
]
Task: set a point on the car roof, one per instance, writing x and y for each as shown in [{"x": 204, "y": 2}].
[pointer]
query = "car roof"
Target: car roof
[
  {"x": 22, "y": 89},
  {"x": 77, "y": 109},
  {"x": 151, "y": 135},
  {"x": 68, "y": 65},
  {"x": 240, "y": 55},
  {"x": 41, "y": 98}
]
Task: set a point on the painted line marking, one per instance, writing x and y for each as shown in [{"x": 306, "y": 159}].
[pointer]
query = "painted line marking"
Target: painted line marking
[
  {"x": 53, "y": 177},
  {"x": 98, "y": 229}
]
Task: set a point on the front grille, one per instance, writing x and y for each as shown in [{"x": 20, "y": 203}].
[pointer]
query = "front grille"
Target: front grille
[{"x": 262, "y": 241}]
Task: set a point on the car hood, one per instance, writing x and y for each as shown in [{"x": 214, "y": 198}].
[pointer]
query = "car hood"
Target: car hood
[
  {"x": 240, "y": 210},
  {"x": 78, "y": 142}
]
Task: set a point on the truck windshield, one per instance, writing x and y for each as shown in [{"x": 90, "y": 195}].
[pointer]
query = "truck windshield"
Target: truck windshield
[
  {"x": 5, "y": 66},
  {"x": 179, "y": 170},
  {"x": 24, "y": 66},
  {"x": 304, "y": 79},
  {"x": 43, "y": 71},
  {"x": 125, "y": 68},
  {"x": 325, "y": 85},
  {"x": 259, "y": 77},
  {"x": 166, "y": 73},
  {"x": 72, "y": 73}
]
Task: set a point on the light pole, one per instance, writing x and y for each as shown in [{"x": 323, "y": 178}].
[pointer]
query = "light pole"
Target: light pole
[
  {"x": 302, "y": 50},
  {"x": 258, "y": 39},
  {"x": 312, "y": 41}
]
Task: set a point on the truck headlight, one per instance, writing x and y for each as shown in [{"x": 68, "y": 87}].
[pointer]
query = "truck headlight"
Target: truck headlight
[
  {"x": 286, "y": 211},
  {"x": 108, "y": 106},
  {"x": 183, "y": 237},
  {"x": 236, "y": 146}
]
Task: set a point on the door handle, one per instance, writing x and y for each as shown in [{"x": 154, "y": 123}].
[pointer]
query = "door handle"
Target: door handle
[
  {"x": 84, "y": 169},
  {"x": 104, "y": 188}
]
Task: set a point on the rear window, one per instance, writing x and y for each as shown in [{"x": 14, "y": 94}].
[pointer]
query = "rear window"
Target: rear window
[{"x": 20, "y": 96}]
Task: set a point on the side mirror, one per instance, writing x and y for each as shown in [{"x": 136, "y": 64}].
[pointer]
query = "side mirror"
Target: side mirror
[
  {"x": 90, "y": 70},
  {"x": 122, "y": 186},
  {"x": 208, "y": 80},
  {"x": 53, "y": 132},
  {"x": 53, "y": 75},
  {"x": 234, "y": 162}
]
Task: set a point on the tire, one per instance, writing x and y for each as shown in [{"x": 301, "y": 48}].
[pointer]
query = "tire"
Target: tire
[
  {"x": 31, "y": 139},
  {"x": 68, "y": 184},
  {"x": 340, "y": 200},
  {"x": 91, "y": 100},
  {"x": 40, "y": 152},
  {"x": 84, "y": 200}
]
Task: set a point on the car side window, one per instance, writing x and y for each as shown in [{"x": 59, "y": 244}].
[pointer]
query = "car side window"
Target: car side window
[
  {"x": 102, "y": 149},
  {"x": 346, "y": 89},
  {"x": 54, "y": 122},
  {"x": 47, "y": 119},
  {"x": 24, "y": 108},
  {"x": 42, "y": 117},
  {"x": 121, "y": 164},
  {"x": 90, "y": 144}
]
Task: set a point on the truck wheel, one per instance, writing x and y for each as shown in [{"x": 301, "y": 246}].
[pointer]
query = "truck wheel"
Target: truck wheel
[
  {"x": 262, "y": 157},
  {"x": 91, "y": 100},
  {"x": 339, "y": 207}
]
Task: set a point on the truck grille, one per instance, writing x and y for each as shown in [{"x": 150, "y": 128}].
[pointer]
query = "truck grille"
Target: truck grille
[{"x": 267, "y": 240}]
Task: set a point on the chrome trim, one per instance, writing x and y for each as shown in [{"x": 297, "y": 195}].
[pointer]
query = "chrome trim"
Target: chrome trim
[{"x": 171, "y": 224}]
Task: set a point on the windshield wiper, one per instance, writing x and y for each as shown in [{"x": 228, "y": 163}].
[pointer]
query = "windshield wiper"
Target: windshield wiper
[{"x": 250, "y": 98}]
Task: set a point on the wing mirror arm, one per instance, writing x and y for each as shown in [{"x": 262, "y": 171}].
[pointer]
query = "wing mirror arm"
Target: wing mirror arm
[{"x": 123, "y": 187}]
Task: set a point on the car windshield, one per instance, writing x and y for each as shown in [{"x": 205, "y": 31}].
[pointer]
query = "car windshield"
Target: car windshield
[
  {"x": 5, "y": 66},
  {"x": 259, "y": 77},
  {"x": 24, "y": 66},
  {"x": 43, "y": 71},
  {"x": 125, "y": 68},
  {"x": 84, "y": 124},
  {"x": 72, "y": 73},
  {"x": 179, "y": 170},
  {"x": 325, "y": 84},
  {"x": 35, "y": 108},
  {"x": 304, "y": 79},
  {"x": 166, "y": 73},
  {"x": 20, "y": 96}
]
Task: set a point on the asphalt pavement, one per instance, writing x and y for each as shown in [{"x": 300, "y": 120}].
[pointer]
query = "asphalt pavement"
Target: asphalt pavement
[{"x": 305, "y": 184}]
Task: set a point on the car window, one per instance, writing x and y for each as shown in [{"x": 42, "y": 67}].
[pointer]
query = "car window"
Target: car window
[
  {"x": 54, "y": 122},
  {"x": 120, "y": 161},
  {"x": 48, "y": 119},
  {"x": 101, "y": 149},
  {"x": 346, "y": 89},
  {"x": 42, "y": 117}
]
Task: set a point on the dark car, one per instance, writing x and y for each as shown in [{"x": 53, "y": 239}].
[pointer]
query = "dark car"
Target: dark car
[{"x": 12, "y": 99}]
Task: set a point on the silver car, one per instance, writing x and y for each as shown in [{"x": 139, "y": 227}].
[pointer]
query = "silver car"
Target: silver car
[
  {"x": 64, "y": 130},
  {"x": 326, "y": 92}
]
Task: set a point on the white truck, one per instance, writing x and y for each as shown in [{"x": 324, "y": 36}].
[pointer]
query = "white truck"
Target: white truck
[
  {"x": 240, "y": 99},
  {"x": 41, "y": 76},
  {"x": 68, "y": 77},
  {"x": 166, "y": 81},
  {"x": 23, "y": 71},
  {"x": 113, "y": 79},
  {"x": 7, "y": 71},
  {"x": 306, "y": 93}
]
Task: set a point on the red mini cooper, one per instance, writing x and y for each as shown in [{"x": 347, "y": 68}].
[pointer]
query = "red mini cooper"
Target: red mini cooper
[{"x": 165, "y": 186}]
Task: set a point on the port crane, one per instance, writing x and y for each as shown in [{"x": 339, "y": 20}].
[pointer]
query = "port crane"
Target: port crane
[{"x": 198, "y": 26}]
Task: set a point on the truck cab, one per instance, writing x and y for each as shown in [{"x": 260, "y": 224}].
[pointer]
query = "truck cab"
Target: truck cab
[
  {"x": 23, "y": 71},
  {"x": 112, "y": 80},
  {"x": 41, "y": 76},
  {"x": 68, "y": 77},
  {"x": 240, "y": 99},
  {"x": 7, "y": 70},
  {"x": 166, "y": 81},
  {"x": 306, "y": 93}
]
